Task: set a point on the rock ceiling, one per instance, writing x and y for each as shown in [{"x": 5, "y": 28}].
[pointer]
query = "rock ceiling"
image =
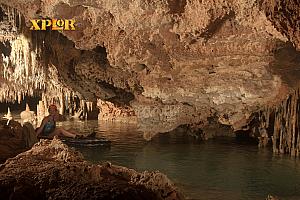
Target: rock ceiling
[{"x": 174, "y": 62}]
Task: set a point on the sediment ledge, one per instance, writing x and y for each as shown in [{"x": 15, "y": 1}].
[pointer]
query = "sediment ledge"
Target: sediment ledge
[{"x": 52, "y": 170}]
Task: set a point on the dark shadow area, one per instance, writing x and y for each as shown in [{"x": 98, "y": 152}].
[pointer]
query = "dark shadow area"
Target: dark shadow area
[
  {"x": 244, "y": 137},
  {"x": 15, "y": 106},
  {"x": 287, "y": 64},
  {"x": 176, "y": 6},
  {"x": 216, "y": 25},
  {"x": 5, "y": 48},
  {"x": 101, "y": 50},
  {"x": 121, "y": 97},
  {"x": 181, "y": 135},
  {"x": 252, "y": 131},
  {"x": 196, "y": 133},
  {"x": 2, "y": 14}
]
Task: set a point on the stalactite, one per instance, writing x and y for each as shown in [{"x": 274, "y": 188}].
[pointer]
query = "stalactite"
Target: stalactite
[
  {"x": 26, "y": 69},
  {"x": 20, "y": 67},
  {"x": 83, "y": 108},
  {"x": 40, "y": 111},
  {"x": 9, "y": 25},
  {"x": 89, "y": 106},
  {"x": 71, "y": 104},
  {"x": 62, "y": 104},
  {"x": 8, "y": 116},
  {"x": 283, "y": 120}
]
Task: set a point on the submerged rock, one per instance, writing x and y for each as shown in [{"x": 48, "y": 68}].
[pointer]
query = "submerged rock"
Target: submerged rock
[{"x": 51, "y": 170}]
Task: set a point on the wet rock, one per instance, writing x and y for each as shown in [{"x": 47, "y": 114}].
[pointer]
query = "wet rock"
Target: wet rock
[{"x": 51, "y": 170}]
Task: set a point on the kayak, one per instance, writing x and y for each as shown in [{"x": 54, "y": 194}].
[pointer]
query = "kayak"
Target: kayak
[{"x": 88, "y": 142}]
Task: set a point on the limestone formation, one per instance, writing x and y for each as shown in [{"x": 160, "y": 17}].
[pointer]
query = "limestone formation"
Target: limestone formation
[
  {"x": 111, "y": 112},
  {"x": 27, "y": 115},
  {"x": 8, "y": 116},
  {"x": 173, "y": 62}
]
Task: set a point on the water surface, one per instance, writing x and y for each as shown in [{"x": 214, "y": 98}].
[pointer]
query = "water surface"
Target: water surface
[
  {"x": 215, "y": 169},
  {"x": 211, "y": 170}
]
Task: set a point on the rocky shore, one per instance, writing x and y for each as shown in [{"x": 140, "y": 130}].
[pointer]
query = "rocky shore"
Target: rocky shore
[{"x": 52, "y": 170}]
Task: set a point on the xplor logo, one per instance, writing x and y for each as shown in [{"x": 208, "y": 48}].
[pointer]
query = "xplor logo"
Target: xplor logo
[{"x": 53, "y": 24}]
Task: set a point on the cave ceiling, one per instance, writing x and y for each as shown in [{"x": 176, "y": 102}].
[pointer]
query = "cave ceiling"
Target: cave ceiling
[{"x": 174, "y": 62}]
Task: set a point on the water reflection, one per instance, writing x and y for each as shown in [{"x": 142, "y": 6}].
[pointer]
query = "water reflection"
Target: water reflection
[{"x": 214, "y": 169}]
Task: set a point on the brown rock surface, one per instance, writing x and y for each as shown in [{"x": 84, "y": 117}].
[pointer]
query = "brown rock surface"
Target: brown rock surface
[
  {"x": 14, "y": 139},
  {"x": 111, "y": 112},
  {"x": 285, "y": 15},
  {"x": 51, "y": 170},
  {"x": 176, "y": 62}
]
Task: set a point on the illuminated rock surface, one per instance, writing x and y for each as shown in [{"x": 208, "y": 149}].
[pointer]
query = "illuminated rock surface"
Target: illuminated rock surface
[{"x": 174, "y": 62}]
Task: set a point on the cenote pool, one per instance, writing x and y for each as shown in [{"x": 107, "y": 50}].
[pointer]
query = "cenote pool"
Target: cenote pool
[{"x": 214, "y": 169}]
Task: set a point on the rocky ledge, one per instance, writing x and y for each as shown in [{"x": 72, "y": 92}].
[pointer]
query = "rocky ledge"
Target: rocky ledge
[{"x": 51, "y": 170}]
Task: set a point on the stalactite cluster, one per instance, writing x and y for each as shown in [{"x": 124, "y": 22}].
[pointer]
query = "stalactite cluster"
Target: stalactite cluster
[
  {"x": 286, "y": 126},
  {"x": 10, "y": 23},
  {"x": 22, "y": 68},
  {"x": 264, "y": 126},
  {"x": 21, "y": 72},
  {"x": 26, "y": 70},
  {"x": 66, "y": 102},
  {"x": 281, "y": 124}
]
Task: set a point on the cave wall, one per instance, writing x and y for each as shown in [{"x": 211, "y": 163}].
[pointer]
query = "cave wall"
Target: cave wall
[
  {"x": 175, "y": 62},
  {"x": 284, "y": 15}
]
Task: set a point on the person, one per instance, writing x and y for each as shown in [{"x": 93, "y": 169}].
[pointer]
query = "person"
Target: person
[{"x": 48, "y": 126}]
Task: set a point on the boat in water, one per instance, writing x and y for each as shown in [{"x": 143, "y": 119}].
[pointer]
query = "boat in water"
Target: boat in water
[{"x": 84, "y": 141}]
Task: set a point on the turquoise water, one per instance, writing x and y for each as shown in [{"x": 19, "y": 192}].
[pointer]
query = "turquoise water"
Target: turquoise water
[{"x": 210, "y": 170}]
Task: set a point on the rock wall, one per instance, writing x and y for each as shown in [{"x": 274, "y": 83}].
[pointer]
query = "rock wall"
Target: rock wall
[
  {"x": 175, "y": 62},
  {"x": 111, "y": 112},
  {"x": 285, "y": 17},
  {"x": 15, "y": 138}
]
